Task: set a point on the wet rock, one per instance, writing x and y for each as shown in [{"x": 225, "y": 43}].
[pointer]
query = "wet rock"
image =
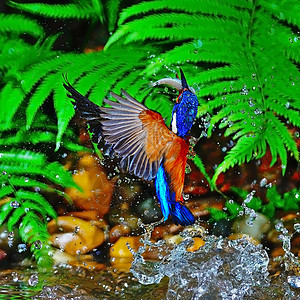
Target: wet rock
[
  {"x": 255, "y": 227},
  {"x": 117, "y": 231},
  {"x": 148, "y": 210},
  {"x": 198, "y": 242},
  {"x": 238, "y": 236},
  {"x": 199, "y": 206},
  {"x": 120, "y": 255},
  {"x": 122, "y": 214},
  {"x": 129, "y": 191},
  {"x": 83, "y": 261},
  {"x": 75, "y": 236},
  {"x": 159, "y": 232},
  {"x": 222, "y": 228},
  {"x": 120, "y": 248},
  {"x": 97, "y": 189}
]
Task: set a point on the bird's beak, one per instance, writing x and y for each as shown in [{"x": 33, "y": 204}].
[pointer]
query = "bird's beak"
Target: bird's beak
[{"x": 183, "y": 81}]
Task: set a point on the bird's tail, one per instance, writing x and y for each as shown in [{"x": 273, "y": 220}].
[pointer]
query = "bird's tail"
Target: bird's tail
[{"x": 181, "y": 214}]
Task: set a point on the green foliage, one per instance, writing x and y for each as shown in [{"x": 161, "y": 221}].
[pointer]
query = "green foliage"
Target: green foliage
[
  {"x": 250, "y": 94},
  {"x": 79, "y": 9},
  {"x": 19, "y": 180},
  {"x": 24, "y": 173},
  {"x": 241, "y": 57},
  {"x": 289, "y": 201},
  {"x": 84, "y": 9}
]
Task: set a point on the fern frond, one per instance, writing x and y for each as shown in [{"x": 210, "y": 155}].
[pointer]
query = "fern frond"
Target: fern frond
[
  {"x": 39, "y": 200},
  {"x": 19, "y": 24},
  {"x": 29, "y": 162},
  {"x": 5, "y": 210},
  {"x": 246, "y": 148},
  {"x": 191, "y": 6},
  {"x": 34, "y": 232},
  {"x": 81, "y": 10},
  {"x": 244, "y": 83},
  {"x": 284, "y": 135},
  {"x": 174, "y": 27},
  {"x": 112, "y": 7},
  {"x": 284, "y": 11},
  {"x": 198, "y": 162}
]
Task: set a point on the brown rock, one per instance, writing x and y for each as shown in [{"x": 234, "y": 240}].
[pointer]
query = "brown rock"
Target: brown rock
[{"x": 75, "y": 236}]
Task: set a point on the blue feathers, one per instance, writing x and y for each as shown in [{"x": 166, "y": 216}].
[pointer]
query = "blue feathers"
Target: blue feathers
[
  {"x": 179, "y": 213},
  {"x": 186, "y": 111},
  {"x": 163, "y": 191}
]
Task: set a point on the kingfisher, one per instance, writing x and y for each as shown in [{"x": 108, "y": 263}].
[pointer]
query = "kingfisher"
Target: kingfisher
[{"x": 146, "y": 147}]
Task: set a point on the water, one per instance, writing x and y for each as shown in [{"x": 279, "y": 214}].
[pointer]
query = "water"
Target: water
[
  {"x": 221, "y": 269},
  {"x": 76, "y": 283}
]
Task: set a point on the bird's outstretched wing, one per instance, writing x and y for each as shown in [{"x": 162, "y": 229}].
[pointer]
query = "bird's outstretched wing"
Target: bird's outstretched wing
[
  {"x": 142, "y": 139},
  {"x": 138, "y": 135},
  {"x": 86, "y": 109}
]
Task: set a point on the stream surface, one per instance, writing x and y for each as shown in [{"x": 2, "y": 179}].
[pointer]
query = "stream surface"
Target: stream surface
[{"x": 221, "y": 269}]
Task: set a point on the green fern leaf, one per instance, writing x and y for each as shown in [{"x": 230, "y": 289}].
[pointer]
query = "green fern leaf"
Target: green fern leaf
[
  {"x": 276, "y": 147},
  {"x": 112, "y": 11},
  {"x": 192, "y": 6},
  {"x": 10, "y": 100},
  {"x": 246, "y": 148},
  {"x": 21, "y": 181},
  {"x": 5, "y": 191},
  {"x": 15, "y": 217},
  {"x": 198, "y": 162},
  {"x": 20, "y": 24},
  {"x": 284, "y": 135},
  {"x": 81, "y": 10},
  {"x": 56, "y": 173},
  {"x": 39, "y": 200},
  {"x": 284, "y": 11},
  {"x": 23, "y": 157},
  {"x": 5, "y": 210},
  {"x": 41, "y": 93},
  {"x": 64, "y": 110}
]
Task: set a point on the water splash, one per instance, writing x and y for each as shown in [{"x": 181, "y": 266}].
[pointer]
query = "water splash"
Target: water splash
[{"x": 221, "y": 269}]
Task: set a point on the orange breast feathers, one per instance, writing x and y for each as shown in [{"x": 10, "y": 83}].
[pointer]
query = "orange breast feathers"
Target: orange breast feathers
[{"x": 161, "y": 141}]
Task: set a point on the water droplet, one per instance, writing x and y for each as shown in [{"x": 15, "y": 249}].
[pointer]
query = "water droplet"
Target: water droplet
[
  {"x": 297, "y": 227},
  {"x": 251, "y": 103},
  {"x": 77, "y": 228},
  {"x": 244, "y": 90},
  {"x": 38, "y": 244},
  {"x": 294, "y": 281},
  {"x": 263, "y": 182},
  {"x": 257, "y": 111},
  {"x": 33, "y": 280},
  {"x": 14, "y": 204},
  {"x": 10, "y": 236},
  {"x": 15, "y": 276},
  {"x": 249, "y": 197},
  {"x": 22, "y": 248}
]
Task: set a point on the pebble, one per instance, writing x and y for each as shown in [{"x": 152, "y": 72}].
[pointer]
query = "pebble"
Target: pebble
[{"x": 75, "y": 236}]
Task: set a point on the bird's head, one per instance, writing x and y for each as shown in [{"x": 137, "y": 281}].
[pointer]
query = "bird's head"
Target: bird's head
[{"x": 185, "y": 109}]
